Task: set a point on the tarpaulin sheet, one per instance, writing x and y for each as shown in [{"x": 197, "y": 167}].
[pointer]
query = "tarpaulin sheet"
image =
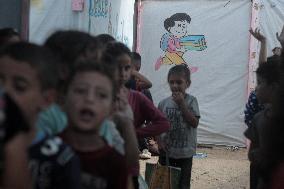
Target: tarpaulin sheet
[
  {"x": 220, "y": 82},
  {"x": 97, "y": 16}
]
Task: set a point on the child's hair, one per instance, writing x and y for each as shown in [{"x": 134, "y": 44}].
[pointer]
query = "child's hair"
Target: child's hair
[
  {"x": 275, "y": 48},
  {"x": 117, "y": 49},
  {"x": 170, "y": 22},
  {"x": 112, "y": 51},
  {"x": 271, "y": 154},
  {"x": 105, "y": 38},
  {"x": 181, "y": 69},
  {"x": 68, "y": 46},
  {"x": 38, "y": 57},
  {"x": 136, "y": 56},
  {"x": 269, "y": 71},
  {"x": 88, "y": 65},
  {"x": 6, "y": 34}
]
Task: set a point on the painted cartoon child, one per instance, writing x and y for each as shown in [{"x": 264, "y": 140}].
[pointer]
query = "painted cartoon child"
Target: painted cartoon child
[{"x": 177, "y": 41}]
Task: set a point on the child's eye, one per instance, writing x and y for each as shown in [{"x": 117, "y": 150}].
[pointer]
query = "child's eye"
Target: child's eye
[
  {"x": 80, "y": 91},
  {"x": 179, "y": 82},
  {"x": 20, "y": 86},
  {"x": 126, "y": 68},
  {"x": 102, "y": 95}
]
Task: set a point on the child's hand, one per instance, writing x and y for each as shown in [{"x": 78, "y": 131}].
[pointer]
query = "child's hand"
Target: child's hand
[
  {"x": 121, "y": 105},
  {"x": 256, "y": 33},
  {"x": 281, "y": 37},
  {"x": 178, "y": 97}
]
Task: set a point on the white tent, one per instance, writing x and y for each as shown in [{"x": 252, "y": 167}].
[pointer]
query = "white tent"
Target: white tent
[
  {"x": 95, "y": 17},
  {"x": 225, "y": 68}
]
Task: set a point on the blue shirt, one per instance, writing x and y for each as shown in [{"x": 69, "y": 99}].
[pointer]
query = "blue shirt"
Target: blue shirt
[{"x": 252, "y": 107}]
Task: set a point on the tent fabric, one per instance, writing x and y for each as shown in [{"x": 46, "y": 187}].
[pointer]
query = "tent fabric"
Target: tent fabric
[
  {"x": 98, "y": 16},
  {"x": 221, "y": 79},
  {"x": 48, "y": 16},
  {"x": 268, "y": 16}
]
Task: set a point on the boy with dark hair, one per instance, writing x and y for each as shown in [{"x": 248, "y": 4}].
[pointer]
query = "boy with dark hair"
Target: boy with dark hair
[
  {"x": 28, "y": 75},
  {"x": 7, "y": 36},
  {"x": 89, "y": 101}
]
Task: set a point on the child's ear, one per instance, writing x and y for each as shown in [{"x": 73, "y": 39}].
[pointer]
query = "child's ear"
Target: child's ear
[
  {"x": 188, "y": 83},
  {"x": 49, "y": 97}
]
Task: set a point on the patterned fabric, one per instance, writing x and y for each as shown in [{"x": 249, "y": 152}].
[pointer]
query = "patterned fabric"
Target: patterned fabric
[{"x": 252, "y": 107}]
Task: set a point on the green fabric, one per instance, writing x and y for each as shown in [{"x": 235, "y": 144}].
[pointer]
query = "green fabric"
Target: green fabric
[{"x": 52, "y": 120}]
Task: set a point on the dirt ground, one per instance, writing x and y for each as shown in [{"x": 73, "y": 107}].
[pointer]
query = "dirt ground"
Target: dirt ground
[{"x": 222, "y": 169}]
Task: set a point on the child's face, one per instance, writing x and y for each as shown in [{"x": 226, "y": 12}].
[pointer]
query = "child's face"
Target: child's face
[
  {"x": 125, "y": 68},
  {"x": 277, "y": 51},
  {"x": 137, "y": 65},
  {"x": 179, "y": 29},
  {"x": 88, "y": 101},
  {"x": 178, "y": 83},
  {"x": 22, "y": 83},
  {"x": 263, "y": 91}
]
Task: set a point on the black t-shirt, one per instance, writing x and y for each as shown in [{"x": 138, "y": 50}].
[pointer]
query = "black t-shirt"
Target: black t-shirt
[{"x": 53, "y": 164}]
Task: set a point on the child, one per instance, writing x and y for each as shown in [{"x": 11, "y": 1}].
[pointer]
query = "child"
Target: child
[
  {"x": 89, "y": 102},
  {"x": 272, "y": 154},
  {"x": 182, "y": 111},
  {"x": 8, "y": 36},
  {"x": 67, "y": 46},
  {"x": 268, "y": 79},
  {"x": 70, "y": 46},
  {"x": 137, "y": 80},
  {"x": 14, "y": 171},
  {"x": 28, "y": 75},
  {"x": 140, "y": 83},
  {"x": 143, "y": 109}
]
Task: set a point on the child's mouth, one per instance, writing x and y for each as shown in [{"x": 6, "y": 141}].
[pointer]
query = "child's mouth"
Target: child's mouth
[{"x": 87, "y": 115}]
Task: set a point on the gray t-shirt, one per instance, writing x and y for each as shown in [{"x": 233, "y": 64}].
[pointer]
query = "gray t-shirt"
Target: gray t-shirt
[{"x": 181, "y": 139}]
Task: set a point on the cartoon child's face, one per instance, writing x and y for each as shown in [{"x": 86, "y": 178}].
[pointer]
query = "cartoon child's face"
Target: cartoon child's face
[
  {"x": 179, "y": 29},
  {"x": 88, "y": 101}
]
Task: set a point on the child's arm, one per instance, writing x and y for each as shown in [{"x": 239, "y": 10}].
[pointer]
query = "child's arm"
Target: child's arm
[
  {"x": 144, "y": 83},
  {"x": 281, "y": 38},
  {"x": 158, "y": 123},
  {"x": 188, "y": 115},
  {"x": 127, "y": 132},
  {"x": 261, "y": 38},
  {"x": 123, "y": 118},
  {"x": 16, "y": 173}
]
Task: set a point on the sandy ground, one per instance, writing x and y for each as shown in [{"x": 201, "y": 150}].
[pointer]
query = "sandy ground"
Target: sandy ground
[{"x": 221, "y": 169}]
